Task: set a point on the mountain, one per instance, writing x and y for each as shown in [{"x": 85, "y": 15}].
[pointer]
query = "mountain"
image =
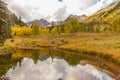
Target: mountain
[
  {"x": 5, "y": 22},
  {"x": 10, "y": 16},
  {"x": 41, "y": 22},
  {"x": 107, "y": 14},
  {"x": 45, "y": 23},
  {"x": 3, "y": 7},
  {"x": 7, "y": 19},
  {"x": 107, "y": 19},
  {"x": 79, "y": 18},
  {"x": 56, "y": 23}
]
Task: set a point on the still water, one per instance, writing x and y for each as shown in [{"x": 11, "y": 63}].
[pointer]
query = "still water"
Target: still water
[{"x": 48, "y": 65}]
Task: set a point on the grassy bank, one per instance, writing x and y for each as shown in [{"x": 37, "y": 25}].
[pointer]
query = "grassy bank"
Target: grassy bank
[{"x": 105, "y": 45}]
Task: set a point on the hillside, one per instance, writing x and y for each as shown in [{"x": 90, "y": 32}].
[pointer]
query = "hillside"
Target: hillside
[
  {"x": 6, "y": 20},
  {"x": 107, "y": 19},
  {"x": 107, "y": 14}
]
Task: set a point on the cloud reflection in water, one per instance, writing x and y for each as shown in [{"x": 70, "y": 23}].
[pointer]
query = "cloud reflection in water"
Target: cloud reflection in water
[{"x": 56, "y": 69}]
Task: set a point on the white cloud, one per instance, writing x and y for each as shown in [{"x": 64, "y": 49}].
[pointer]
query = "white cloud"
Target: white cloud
[
  {"x": 53, "y": 10},
  {"x": 75, "y": 6}
]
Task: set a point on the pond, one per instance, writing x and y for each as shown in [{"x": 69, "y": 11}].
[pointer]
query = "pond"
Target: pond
[{"x": 51, "y": 65}]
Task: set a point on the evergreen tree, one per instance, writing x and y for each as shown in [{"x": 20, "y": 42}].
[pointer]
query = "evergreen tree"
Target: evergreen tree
[{"x": 35, "y": 29}]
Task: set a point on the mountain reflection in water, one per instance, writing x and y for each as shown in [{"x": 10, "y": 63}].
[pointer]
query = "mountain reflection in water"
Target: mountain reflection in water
[{"x": 54, "y": 69}]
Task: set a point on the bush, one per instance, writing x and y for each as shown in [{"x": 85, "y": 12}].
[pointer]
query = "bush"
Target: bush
[{"x": 21, "y": 31}]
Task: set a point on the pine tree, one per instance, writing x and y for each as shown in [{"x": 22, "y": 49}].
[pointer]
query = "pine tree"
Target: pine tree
[{"x": 35, "y": 29}]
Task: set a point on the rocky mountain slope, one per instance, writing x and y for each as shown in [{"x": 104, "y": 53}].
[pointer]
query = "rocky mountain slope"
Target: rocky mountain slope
[
  {"x": 106, "y": 19},
  {"x": 107, "y": 14},
  {"x": 41, "y": 22},
  {"x": 6, "y": 20}
]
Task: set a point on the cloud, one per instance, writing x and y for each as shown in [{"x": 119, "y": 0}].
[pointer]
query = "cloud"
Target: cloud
[
  {"x": 75, "y": 6},
  {"x": 53, "y": 10},
  {"x": 60, "y": 14}
]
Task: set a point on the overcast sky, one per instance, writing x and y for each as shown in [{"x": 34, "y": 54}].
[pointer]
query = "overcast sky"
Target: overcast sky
[{"x": 54, "y": 10}]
